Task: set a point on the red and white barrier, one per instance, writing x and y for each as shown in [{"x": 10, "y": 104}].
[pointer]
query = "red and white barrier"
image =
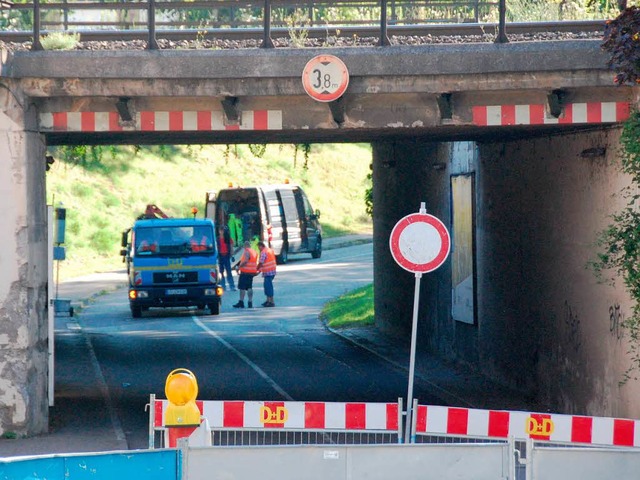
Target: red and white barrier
[
  {"x": 148, "y": 121},
  {"x": 437, "y": 420},
  {"x": 535, "y": 114},
  {"x": 315, "y": 416},
  {"x": 430, "y": 420}
]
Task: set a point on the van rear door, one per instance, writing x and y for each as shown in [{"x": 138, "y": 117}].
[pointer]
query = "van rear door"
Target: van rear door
[
  {"x": 210, "y": 206},
  {"x": 291, "y": 219},
  {"x": 275, "y": 218}
]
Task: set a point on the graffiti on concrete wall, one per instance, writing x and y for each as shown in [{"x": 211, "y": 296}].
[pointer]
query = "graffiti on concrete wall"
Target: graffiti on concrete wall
[
  {"x": 572, "y": 325},
  {"x": 616, "y": 320}
]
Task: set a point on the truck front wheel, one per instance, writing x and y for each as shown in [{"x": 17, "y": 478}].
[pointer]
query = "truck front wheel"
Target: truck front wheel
[
  {"x": 214, "y": 307},
  {"x": 136, "y": 311}
]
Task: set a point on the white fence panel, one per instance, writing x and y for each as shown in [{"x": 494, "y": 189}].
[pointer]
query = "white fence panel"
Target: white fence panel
[
  {"x": 560, "y": 463},
  {"x": 347, "y": 462}
]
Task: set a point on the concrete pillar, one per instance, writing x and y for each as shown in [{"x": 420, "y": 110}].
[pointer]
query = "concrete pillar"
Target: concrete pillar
[
  {"x": 547, "y": 325},
  {"x": 23, "y": 263},
  {"x": 405, "y": 173}
]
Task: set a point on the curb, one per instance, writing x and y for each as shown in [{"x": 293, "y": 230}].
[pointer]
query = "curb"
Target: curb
[{"x": 347, "y": 243}]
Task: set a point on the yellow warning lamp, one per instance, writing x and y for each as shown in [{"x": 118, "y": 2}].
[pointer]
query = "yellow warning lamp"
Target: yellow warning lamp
[
  {"x": 194, "y": 211},
  {"x": 181, "y": 389},
  {"x": 286, "y": 181}
]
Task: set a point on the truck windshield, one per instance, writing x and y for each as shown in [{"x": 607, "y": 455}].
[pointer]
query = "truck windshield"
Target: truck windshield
[{"x": 168, "y": 240}]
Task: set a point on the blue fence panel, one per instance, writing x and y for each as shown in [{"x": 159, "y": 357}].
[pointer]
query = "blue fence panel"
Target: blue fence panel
[
  {"x": 47, "y": 467},
  {"x": 138, "y": 465}
]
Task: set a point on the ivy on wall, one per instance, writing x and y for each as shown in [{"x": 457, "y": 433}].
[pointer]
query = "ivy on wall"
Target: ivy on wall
[{"x": 620, "y": 242}]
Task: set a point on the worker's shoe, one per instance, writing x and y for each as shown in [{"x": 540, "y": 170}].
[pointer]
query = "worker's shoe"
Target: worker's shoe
[
  {"x": 240, "y": 304},
  {"x": 250, "y": 305},
  {"x": 268, "y": 304}
]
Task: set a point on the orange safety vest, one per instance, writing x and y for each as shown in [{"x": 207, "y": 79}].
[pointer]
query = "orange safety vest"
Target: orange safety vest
[
  {"x": 269, "y": 264},
  {"x": 251, "y": 266},
  {"x": 199, "y": 247},
  {"x": 147, "y": 247}
]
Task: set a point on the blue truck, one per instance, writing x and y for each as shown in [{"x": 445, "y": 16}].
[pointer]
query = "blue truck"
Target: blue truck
[{"x": 171, "y": 262}]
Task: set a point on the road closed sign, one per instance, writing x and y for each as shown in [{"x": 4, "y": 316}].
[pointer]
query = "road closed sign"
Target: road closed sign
[
  {"x": 325, "y": 78},
  {"x": 420, "y": 243}
]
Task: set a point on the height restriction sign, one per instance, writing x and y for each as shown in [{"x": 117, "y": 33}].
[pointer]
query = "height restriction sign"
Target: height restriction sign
[{"x": 325, "y": 78}]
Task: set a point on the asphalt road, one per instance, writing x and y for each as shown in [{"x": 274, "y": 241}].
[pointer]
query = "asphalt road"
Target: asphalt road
[{"x": 271, "y": 354}]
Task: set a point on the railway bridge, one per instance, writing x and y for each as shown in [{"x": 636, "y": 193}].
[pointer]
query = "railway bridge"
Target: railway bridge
[{"x": 512, "y": 145}]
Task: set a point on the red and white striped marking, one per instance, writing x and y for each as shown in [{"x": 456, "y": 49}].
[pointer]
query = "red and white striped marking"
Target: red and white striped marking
[
  {"x": 293, "y": 415},
  {"x": 158, "y": 121},
  {"x": 430, "y": 420},
  {"x": 536, "y": 114},
  {"x": 523, "y": 425}
]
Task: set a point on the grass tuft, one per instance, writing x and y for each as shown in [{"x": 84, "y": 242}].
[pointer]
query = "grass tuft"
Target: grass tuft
[
  {"x": 60, "y": 41},
  {"x": 351, "y": 309}
]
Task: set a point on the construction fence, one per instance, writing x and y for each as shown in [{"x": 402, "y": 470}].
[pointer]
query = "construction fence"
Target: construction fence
[
  {"x": 357, "y": 436},
  {"x": 246, "y": 440}
]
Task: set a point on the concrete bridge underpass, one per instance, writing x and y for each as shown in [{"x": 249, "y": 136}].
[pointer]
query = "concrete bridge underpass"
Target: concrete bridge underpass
[{"x": 513, "y": 146}]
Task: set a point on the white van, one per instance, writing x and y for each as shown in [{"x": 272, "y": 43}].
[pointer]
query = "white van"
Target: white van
[{"x": 279, "y": 215}]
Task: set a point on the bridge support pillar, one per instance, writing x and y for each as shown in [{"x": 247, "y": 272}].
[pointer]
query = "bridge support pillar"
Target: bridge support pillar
[
  {"x": 23, "y": 263},
  {"x": 405, "y": 173}
]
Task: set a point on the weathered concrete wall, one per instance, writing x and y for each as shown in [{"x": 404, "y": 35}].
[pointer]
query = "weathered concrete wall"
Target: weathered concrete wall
[
  {"x": 23, "y": 263},
  {"x": 545, "y": 324}
]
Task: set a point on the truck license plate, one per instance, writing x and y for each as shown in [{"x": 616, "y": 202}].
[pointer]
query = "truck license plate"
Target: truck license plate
[{"x": 176, "y": 291}]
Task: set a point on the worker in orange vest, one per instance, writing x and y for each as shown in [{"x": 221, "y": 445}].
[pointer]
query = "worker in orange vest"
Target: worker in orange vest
[
  {"x": 199, "y": 241},
  {"x": 267, "y": 266},
  {"x": 248, "y": 268}
]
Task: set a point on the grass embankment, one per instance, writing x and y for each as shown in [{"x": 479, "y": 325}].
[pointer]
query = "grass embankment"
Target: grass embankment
[
  {"x": 104, "y": 189},
  {"x": 351, "y": 309}
]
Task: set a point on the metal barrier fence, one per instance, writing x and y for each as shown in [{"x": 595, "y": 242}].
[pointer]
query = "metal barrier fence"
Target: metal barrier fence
[
  {"x": 539, "y": 444},
  {"x": 124, "y": 465},
  {"x": 284, "y": 422},
  {"x": 73, "y": 14},
  {"x": 346, "y": 462},
  {"x": 288, "y": 423},
  {"x": 523, "y": 426}
]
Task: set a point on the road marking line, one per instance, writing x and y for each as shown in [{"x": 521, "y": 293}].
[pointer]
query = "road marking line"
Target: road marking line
[
  {"x": 104, "y": 390},
  {"x": 244, "y": 358}
]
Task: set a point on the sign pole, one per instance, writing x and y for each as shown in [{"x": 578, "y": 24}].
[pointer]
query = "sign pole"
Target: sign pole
[
  {"x": 412, "y": 360},
  {"x": 419, "y": 243}
]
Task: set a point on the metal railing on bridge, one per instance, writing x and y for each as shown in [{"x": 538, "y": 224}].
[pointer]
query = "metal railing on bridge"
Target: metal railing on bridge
[{"x": 202, "y": 16}]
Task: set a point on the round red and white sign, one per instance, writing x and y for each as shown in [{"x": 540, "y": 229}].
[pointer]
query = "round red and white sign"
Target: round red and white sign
[
  {"x": 325, "y": 78},
  {"x": 420, "y": 243}
]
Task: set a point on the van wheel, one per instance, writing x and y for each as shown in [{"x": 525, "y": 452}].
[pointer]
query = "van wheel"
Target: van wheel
[
  {"x": 136, "y": 311},
  {"x": 284, "y": 255},
  {"x": 317, "y": 252}
]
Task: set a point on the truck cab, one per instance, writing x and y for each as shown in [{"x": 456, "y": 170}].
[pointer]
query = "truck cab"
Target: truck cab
[{"x": 172, "y": 263}]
